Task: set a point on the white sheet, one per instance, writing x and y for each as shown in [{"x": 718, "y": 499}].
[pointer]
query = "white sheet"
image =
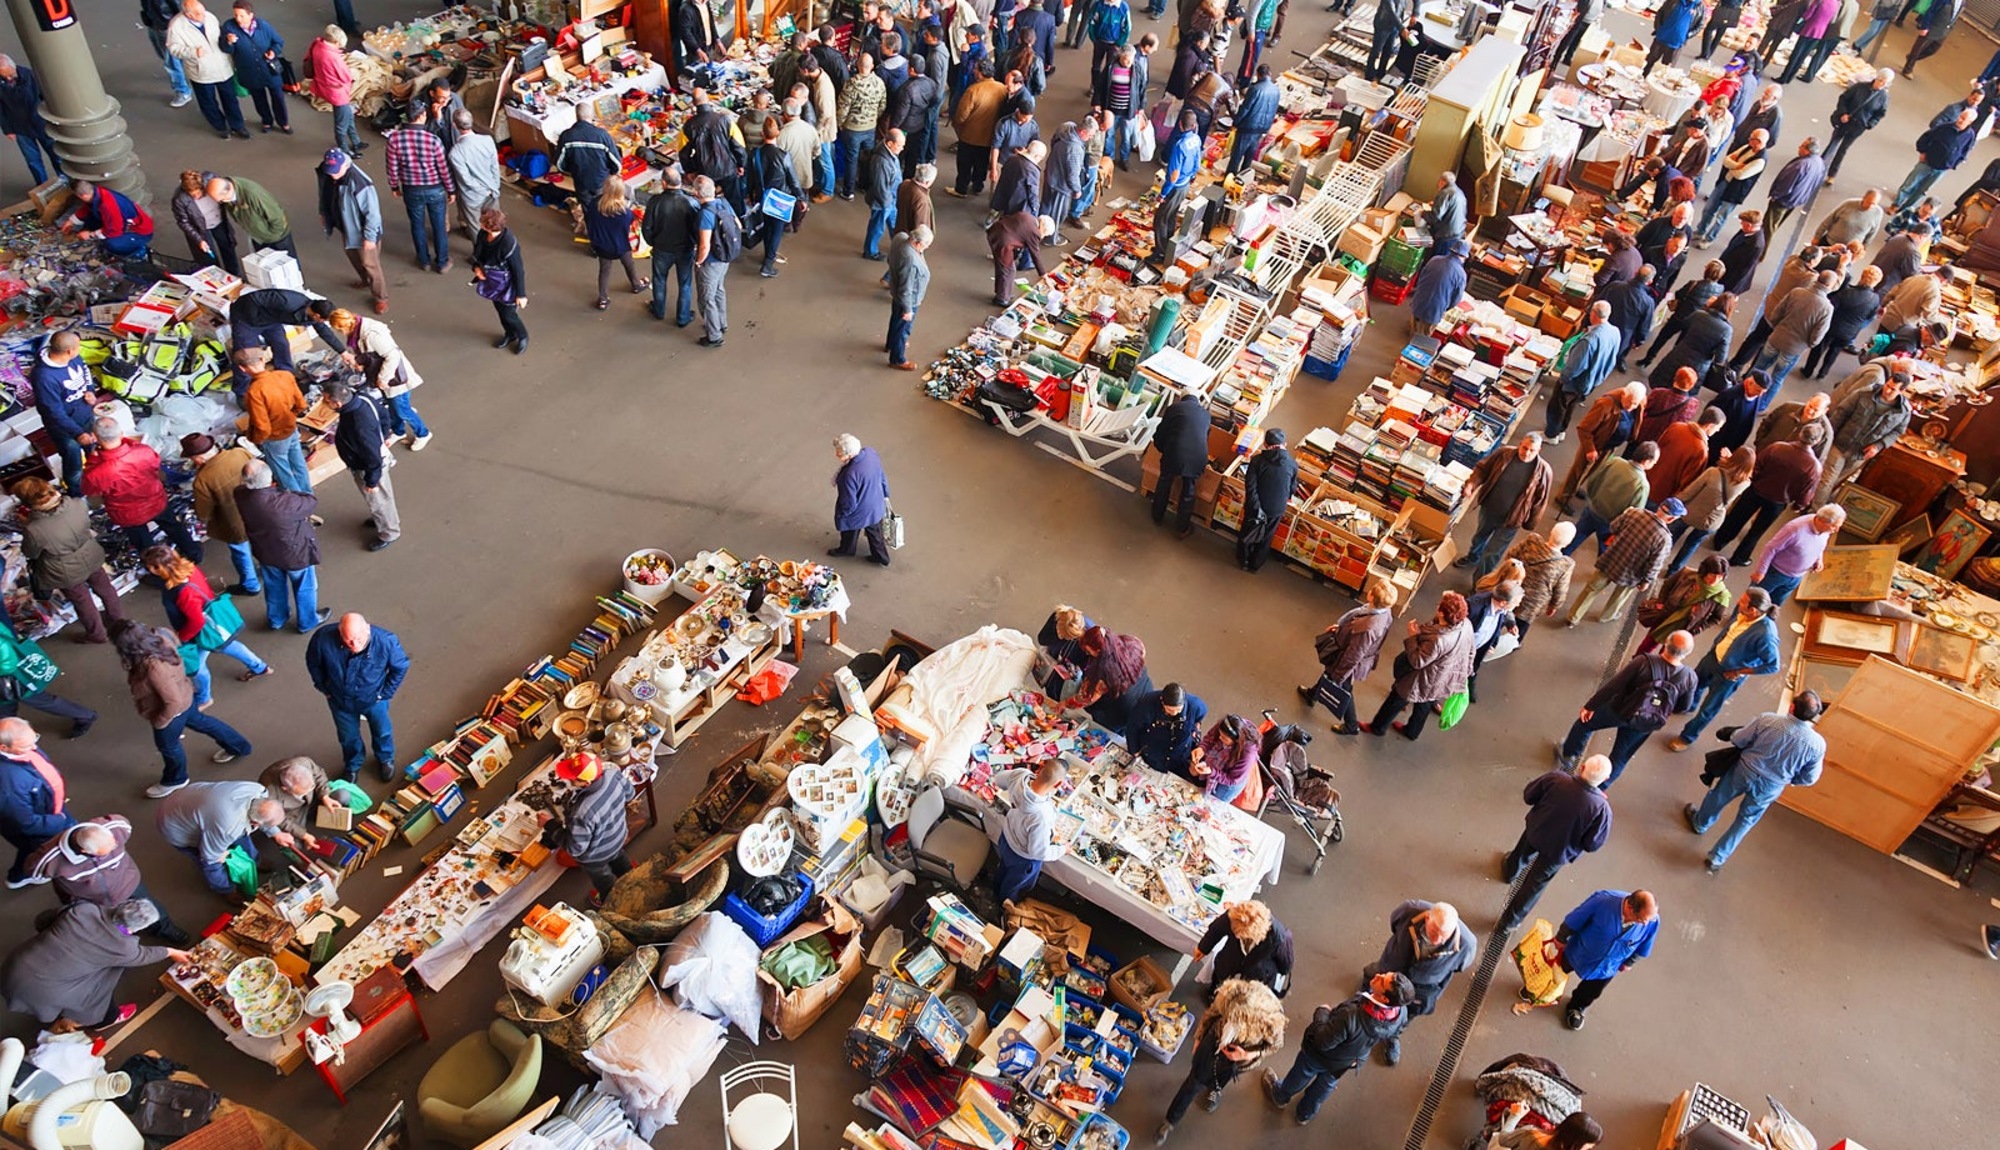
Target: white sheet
[
  {"x": 952, "y": 689},
  {"x": 654, "y": 1057}
]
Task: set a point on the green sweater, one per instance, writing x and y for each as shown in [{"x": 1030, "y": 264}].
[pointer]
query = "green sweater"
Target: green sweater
[
  {"x": 1616, "y": 485},
  {"x": 258, "y": 212}
]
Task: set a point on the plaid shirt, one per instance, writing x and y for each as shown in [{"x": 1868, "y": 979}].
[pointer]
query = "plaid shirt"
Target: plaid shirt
[
  {"x": 416, "y": 160},
  {"x": 1639, "y": 546},
  {"x": 1906, "y": 219}
]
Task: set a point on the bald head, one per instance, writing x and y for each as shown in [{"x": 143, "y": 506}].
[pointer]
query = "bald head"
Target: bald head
[
  {"x": 17, "y": 734},
  {"x": 1595, "y": 770},
  {"x": 355, "y": 632},
  {"x": 93, "y": 840},
  {"x": 1678, "y": 645}
]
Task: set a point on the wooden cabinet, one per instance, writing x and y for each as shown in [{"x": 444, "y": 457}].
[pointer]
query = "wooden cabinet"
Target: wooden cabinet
[{"x": 1910, "y": 475}]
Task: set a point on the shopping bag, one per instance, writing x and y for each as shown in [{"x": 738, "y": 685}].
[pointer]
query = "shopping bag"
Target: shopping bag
[
  {"x": 768, "y": 683},
  {"x": 357, "y": 800},
  {"x": 242, "y": 871},
  {"x": 1162, "y": 120},
  {"x": 1148, "y": 143},
  {"x": 892, "y": 527},
  {"x": 221, "y": 625},
  {"x": 1539, "y": 957},
  {"x": 777, "y": 205},
  {"x": 1453, "y": 710},
  {"x": 1504, "y": 645}
]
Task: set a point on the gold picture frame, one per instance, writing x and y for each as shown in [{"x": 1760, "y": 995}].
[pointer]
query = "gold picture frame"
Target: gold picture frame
[
  {"x": 1868, "y": 514},
  {"x": 1910, "y": 536}
]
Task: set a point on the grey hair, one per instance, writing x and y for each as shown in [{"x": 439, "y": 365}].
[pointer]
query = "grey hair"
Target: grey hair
[
  {"x": 1562, "y": 534},
  {"x": 1507, "y": 595},
  {"x": 257, "y": 475},
  {"x": 703, "y": 186},
  {"x": 921, "y": 236},
  {"x": 133, "y": 915},
  {"x": 846, "y": 446},
  {"x": 1600, "y": 311},
  {"x": 462, "y": 120},
  {"x": 267, "y": 812},
  {"x": 90, "y": 836},
  {"x": 1832, "y": 512},
  {"x": 335, "y": 35},
  {"x": 15, "y": 732},
  {"x": 926, "y": 174},
  {"x": 296, "y": 773},
  {"x": 1594, "y": 770}
]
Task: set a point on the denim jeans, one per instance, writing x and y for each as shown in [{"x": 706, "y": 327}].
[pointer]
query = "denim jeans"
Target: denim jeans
[
  {"x": 176, "y": 75},
  {"x": 1624, "y": 744},
  {"x": 1715, "y": 692},
  {"x": 1919, "y": 181},
  {"x": 1088, "y": 196},
  {"x": 899, "y": 335},
  {"x": 1490, "y": 539},
  {"x": 1690, "y": 540},
  {"x": 246, "y": 568},
  {"x": 1712, "y": 216},
  {"x": 1778, "y": 363},
  {"x": 347, "y": 726},
  {"x": 1589, "y": 525},
  {"x": 219, "y": 106},
  {"x": 1875, "y": 28},
  {"x": 823, "y": 169},
  {"x": 1757, "y": 796},
  {"x": 168, "y": 740},
  {"x": 1780, "y": 587},
  {"x": 1013, "y": 876},
  {"x": 880, "y": 220},
  {"x": 1124, "y": 136},
  {"x": 427, "y": 227},
  {"x": 852, "y": 144},
  {"x": 72, "y": 461},
  {"x": 344, "y": 134},
  {"x": 284, "y": 590},
  {"x": 33, "y": 146},
  {"x": 170, "y": 525},
  {"x": 682, "y": 266},
  {"x": 1310, "y": 1081},
  {"x": 204, "y": 679},
  {"x": 403, "y": 417},
  {"x": 288, "y": 463}
]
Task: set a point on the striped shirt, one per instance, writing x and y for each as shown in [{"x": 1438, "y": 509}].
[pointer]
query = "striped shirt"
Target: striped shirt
[{"x": 416, "y": 160}]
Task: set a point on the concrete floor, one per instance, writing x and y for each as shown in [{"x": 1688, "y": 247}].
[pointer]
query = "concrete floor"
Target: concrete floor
[{"x": 1838, "y": 980}]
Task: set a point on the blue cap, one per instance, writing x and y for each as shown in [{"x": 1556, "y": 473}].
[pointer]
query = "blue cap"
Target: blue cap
[
  {"x": 334, "y": 160},
  {"x": 1674, "y": 507}
]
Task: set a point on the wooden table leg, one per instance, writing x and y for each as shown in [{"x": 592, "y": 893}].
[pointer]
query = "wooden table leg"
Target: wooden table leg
[
  {"x": 833, "y": 630},
  {"x": 798, "y": 640}
]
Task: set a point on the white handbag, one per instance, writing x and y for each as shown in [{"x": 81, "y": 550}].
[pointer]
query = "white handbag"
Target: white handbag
[{"x": 892, "y": 527}]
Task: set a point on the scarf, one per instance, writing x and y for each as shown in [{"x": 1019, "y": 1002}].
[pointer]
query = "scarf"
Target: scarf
[{"x": 43, "y": 767}]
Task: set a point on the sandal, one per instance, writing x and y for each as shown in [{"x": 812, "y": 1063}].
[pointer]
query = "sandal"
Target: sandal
[
  {"x": 602, "y": 303},
  {"x": 249, "y": 675}
]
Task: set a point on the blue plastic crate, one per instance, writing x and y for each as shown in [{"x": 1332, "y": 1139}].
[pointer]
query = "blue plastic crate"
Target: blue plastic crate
[
  {"x": 766, "y": 929},
  {"x": 1327, "y": 368},
  {"x": 1120, "y": 1135}
]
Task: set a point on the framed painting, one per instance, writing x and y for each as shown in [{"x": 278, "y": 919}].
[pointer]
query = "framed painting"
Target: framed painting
[
  {"x": 1868, "y": 514},
  {"x": 1852, "y": 575},
  {"x": 1910, "y": 536},
  {"x": 1959, "y": 537},
  {"x": 1848, "y": 640},
  {"x": 1946, "y": 654}
]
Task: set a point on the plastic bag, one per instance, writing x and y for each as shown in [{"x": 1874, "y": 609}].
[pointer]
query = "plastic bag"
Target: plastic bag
[
  {"x": 357, "y": 800},
  {"x": 242, "y": 871},
  {"x": 1543, "y": 979},
  {"x": 1147, "y": 143},
  {"x": 768, "y": 683},
  {"x": 1452, "y": 712},
  {"x": 712, "y": 969}
]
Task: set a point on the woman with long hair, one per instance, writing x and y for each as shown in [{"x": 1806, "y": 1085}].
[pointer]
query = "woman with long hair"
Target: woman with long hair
[
  {"x": 1708, "y": 497},
  {"x": 1435, "y": 664},
  {"x": 165, "y": 697},
  {"x": 1114, "y": 678},
  {"x": 372, "y": 347},
  {"x": 190, "y": 604},
  {"x": 608, "y": 223}
]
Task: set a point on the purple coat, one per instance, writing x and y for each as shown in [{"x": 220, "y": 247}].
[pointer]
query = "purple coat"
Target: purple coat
[{"x": 862, "y": 492}]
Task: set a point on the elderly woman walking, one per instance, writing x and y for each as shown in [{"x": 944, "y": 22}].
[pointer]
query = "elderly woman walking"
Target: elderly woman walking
[
  {"x": 1348, "y": 651},
  {"x": 861, "y": 500},
  {"x": 1435, "y": 664},
  {"x": 1247, "y": 941},
  {"x": 1545, "y": 574}
]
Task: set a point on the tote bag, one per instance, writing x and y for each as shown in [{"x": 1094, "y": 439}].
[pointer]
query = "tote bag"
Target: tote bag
[{"x": 220, "y": 626}]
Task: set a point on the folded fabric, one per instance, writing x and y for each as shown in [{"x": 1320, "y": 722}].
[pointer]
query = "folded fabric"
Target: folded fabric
[{"x": 801, "y": 963}]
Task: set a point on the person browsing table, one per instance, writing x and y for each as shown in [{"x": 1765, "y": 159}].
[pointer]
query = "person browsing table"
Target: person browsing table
[{"x": 1027, "y": 837}]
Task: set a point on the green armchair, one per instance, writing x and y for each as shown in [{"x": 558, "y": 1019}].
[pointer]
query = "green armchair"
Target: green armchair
[{"x": 480, "y": 1085}]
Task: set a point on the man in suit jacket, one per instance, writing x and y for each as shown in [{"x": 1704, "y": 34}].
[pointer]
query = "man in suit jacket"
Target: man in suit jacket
[
  {"x": 1747, "y": 645},
  {"x": 1182, "y": 440}
]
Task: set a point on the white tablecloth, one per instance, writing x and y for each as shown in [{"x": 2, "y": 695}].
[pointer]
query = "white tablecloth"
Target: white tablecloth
[{"x": 562, "y": 113}]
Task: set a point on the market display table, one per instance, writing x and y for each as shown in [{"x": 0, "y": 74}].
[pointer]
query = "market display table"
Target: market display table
[{"x": 389, "y": 1022}]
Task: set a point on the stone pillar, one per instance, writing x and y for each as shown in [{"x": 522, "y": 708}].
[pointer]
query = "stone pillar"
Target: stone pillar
[{"x": 83, "y": 119}]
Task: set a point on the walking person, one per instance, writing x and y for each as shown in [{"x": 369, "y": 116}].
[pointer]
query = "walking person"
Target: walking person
[
  {"x": 332, "y": 81},
  {"x": 419, "y": 174},
  {"x": 1744, "y": 251},
  {"x": 861, "y": 499},
  {"x": 27, "y": 672},
  {"x": 88, "y": 863},
  {"x": 1509, "y": 489},
  {"x": 1855, "y": 307},
  {"x": 501, "y": 278},
  {"x": 1673, "y": 25},
  {"x": 349, "y": 204},
  {"x": 359, "y": 668},
  {"x": 718, "y": 241},
  {"x": 909, "y": 279},
  {"x": 279, "y": 525},
  {"x": 1430, "y": 945},
  {"x": 1814, "y": 27},
  {"x": 34, "y": 797},
  {"x": 64, "y": 555},
  {"x": 1708, "y": 499},
  {"x": 1935, "y": 23},
  {"x": 273, "y": 404},
  {"x": 593, "y": 827},
  {"x": 1859, "y": 109},
  {"x": 1651, "y": 688},
  {"x": 1608, "y": 425},
  {"x": 1634, "y": 554},
  {"x": 1801, "y": 319},
  {"x": 254, "y": 49},
  {"x": 124, "y": 475},
  {"x": 165, "y": 698},
  {"x": 1242, "y": 1024},
  {"x": 1546, "y": 572},
  {"x": 1686, "y": 304},
  {"x": 974, "y": 119},
  {"x": 21, "y": 119},
  {"x": 1880, "y": 14},
  {"x": 1027, "y": 834},
  {"x": 475, "y": 172},
  {"x": 1585, "y": 362},
  {"x": 1246, "y": 941},
  {"x": 156, "y": 16},
  {"x": 1568, "y": 817},
  {"x": 1746, "y": 646},
  {"x": 1268, "y": 485},
  {"x": 1778, "y": 750},
  {"x": 195, "y": 39},
  {"x": 1794, "y": 551},
  {"x": 1866, "y": 423},
  {"x": 372, "y": 350},
  {"x": 1941, "y": 148},
  {"x": 1785, "y": 474},
  {"x": 360, "y": 439},
  {"x": 1182, "y": 441},
  {"x": 1014, "y": 240},
  {"x": 1741, "y": 168},
  {"x": 1795, "y": 185},
  {"x": 1337, "y": 1040},
  {"x": 204, "y": 622},
  {"x": 217, "y": 477},
  {"x": 1606, "y": 935},
  {"x": 1435, "y": 664},
  {"x": 1689, "y": 601},
  {"x": 772, "y": 176},
  {"x": 202, "y": 221},
  {"x": 1348, "y": 651}
]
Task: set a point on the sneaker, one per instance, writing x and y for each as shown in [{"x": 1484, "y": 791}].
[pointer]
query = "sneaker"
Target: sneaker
[
  {"x": 387, "y": 772},
  {"x": 181, "y": 101},
  {"x": 223, "y": 756},
  {"x": 1161, "y": 1135},
  {"x": 18, "y": 883},
  {"x": 162, "y": 790},
  {"x": 124, "y": 1015},
  {"x": 1678, "y": 744},
  {"x": 1392, "y": 1051},
  {"x": 1689, "y": 813},
  {"x": 1564, "y": 762},
  {"x": 420, "y": 442},
  {"x": 1573, "y": 1018},
  {"x": 1270, "y": 1080},
  {"x": 1211, "y": 1100},
  {"x": 79, "y": 730},
  {"x": 1711, "y": 866},
  {"x": 1990, "y": 935}
]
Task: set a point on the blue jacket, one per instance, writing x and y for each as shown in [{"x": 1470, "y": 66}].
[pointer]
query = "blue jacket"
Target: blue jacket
[
  {"x": 1183, "y": 157},
  {"x": 1755, "y": 650},
  {"x": 354, "y": 682},
  {"x": 246, "y": 50},
  {"x": 1110, "y": 22},
  {"x": 1440, "y": 285},
  {"x": 21, "y": 102},
  {"x": 1567, "y": 817},
  {"x": 62, "y": 395},
  {"x": 28, "y": 817},
  {"x": 1165, "y": 741},
  {"x": 862, "y": 489},
  {"x": 1601, "y": 943},
  {"x": 1944, "y": 147},
  {"x": 1676, "y": 22},
  {"x": 1259, "y": 108},
  {"x": 1590, "y": 359}
]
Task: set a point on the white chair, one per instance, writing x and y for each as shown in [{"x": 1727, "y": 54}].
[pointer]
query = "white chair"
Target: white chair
[
  {"x": 948, "y": 841},
  {"x": 765, "y": 1119}
]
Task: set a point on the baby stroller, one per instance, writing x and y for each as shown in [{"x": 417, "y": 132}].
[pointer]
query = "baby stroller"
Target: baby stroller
[
  {"x": 1304, "y": 791},
  {"x": 1538, "y": 1084}
]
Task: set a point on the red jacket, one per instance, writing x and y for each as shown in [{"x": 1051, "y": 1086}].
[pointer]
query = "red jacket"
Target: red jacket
[{"x": 127, "y": 479}]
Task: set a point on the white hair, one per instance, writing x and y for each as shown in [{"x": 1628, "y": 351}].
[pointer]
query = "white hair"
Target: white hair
[
  {"x": 257, "y": 475},
  {"x": 921, "y": 236},
  {"x": 846, "y": 446},
  {"x": 926, "y": 174},
  {"x": 1562, "y": 534},
  {"x": 1833, "y": 513},
  {"x": 134, "y": 915},
  {"x": 335, "y": 35},
  {"x": 1595, "y": 770},
  {"x": 267, "y": 812},
  {"x": 16, "y": 732},
  {"x": 92, "y": 838}
]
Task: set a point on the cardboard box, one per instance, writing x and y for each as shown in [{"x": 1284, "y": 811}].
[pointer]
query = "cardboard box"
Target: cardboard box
[
  {"x": 792, "y": 1012},
  {"x": 271, "y": 268},
  {"x": 1362, "y": 242},
  {"x": 1561, "y": 320},
  {"x": 1150, "y": 972}
]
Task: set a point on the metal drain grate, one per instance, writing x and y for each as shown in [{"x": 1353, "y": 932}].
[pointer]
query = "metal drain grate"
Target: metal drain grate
[{"x": 1454, "y": 1046}]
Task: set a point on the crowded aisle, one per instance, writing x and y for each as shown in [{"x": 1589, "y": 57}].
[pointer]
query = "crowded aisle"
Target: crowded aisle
[{"x": 597, "y": 503}]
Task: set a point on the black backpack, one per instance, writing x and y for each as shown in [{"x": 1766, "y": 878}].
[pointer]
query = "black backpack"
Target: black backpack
[
  {"x": 725, "y": 241},
  {"x": 1653, "y": 703}
]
